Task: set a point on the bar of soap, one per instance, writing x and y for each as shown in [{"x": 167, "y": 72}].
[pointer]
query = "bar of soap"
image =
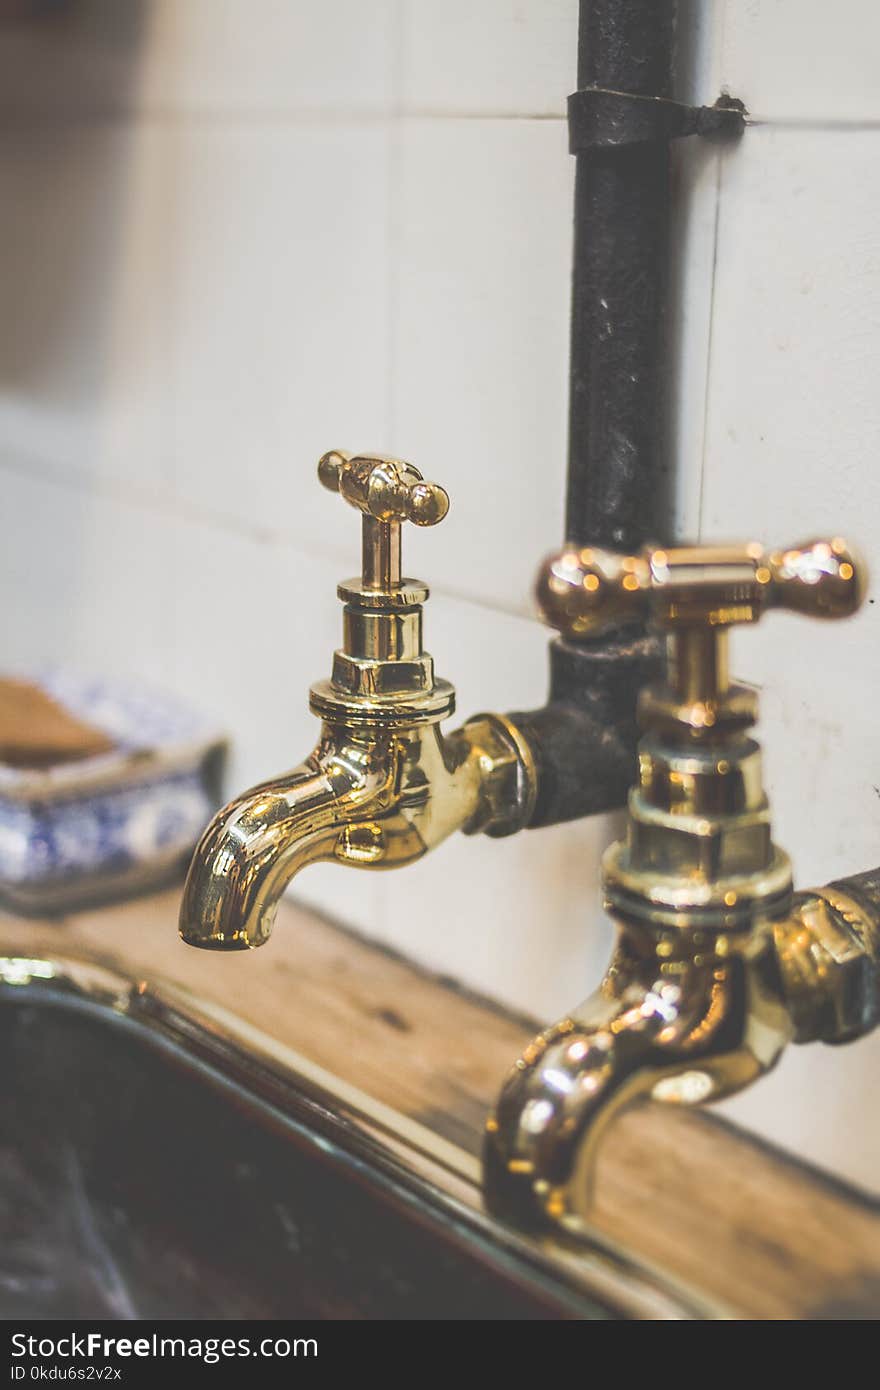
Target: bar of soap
[{"x": 36, "y": 731}]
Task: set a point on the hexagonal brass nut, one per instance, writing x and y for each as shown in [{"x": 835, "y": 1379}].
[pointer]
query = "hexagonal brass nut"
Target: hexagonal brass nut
[
  {"x": 829, "y": 971},
  {"x": 704, "y": 847}
]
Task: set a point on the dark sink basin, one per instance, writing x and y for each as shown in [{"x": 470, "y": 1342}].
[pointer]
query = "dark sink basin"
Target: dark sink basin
[{"x": 152, "y": 1165}]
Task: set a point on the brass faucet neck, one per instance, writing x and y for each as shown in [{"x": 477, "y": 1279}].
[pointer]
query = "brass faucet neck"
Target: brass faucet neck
[
  {"x": 381, "y": 553},
  {"x": 698, "y": 663},
  {"x": 381, "y": 673},
  {"x": 698, "y": 857}
]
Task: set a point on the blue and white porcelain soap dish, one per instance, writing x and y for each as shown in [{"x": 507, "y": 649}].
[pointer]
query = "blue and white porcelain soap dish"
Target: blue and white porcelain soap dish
[{"x": 115, "y": 824}]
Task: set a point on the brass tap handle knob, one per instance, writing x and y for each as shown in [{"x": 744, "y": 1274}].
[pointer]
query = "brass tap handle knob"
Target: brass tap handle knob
[
  {"x": 387, "y": 492},
  {"x": 385, "y": 489},
  {"x": 582, "y": 592}
]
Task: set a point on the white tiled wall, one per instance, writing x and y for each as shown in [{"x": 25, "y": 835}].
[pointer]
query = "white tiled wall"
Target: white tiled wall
[{"x": 238, "y": 232}]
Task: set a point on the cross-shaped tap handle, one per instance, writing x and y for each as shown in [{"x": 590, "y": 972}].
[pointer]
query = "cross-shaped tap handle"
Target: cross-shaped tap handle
[
  {"x": 581, "y": 592},
  {"x": 695, "y": 594},
  {"x": 386, "y": 491}
]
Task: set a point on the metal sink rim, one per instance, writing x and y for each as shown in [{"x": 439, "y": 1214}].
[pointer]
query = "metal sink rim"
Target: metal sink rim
[{"x": 326, "y": 1111}]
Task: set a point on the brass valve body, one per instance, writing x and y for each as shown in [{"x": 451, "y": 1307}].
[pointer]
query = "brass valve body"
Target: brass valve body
[
  {"x": 381, "y": 671},
  {"x": 716, "y": 966}
]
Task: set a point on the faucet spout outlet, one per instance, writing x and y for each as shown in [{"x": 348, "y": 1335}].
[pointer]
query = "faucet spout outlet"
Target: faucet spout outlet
[
  {"x": 384, "y": 785},
  {"x": 680, "y": 1027}
]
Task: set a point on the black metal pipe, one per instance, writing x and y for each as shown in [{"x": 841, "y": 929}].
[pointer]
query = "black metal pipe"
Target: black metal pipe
[
  {"x": 617, "y": 494},
  {"x": 584, "y": 739}
]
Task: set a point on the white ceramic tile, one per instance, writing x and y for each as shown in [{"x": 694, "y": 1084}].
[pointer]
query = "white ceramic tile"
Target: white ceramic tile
[
  {"x": 245, "y": 648},
  {"x": 501, "y": 57},
  {"x": 333, "y": 56},
  {"x": 83, "y": 580},
  {"x": 794, "y": 410},
  {"x": 84, "y": 297},
  {"x": 803, "y": 59},
  {"x": 697, "y": 51},
  {"x": 794, "y": 424},
  {"x": 494, "y": 660},
  {"x": 519, "y": 57},
  {"x": 510, "y": 57},
  {"x": 519, "y": 920},
  {"x": 201, "y": 56},
  {"x": 481, "y": 253},
  {"x": 694, "y": 203},
  {"x": 793, "y": 428},
  {"x": 281, "y": 309},
  {"x": 695, "y": 175},
  {"x": 817, "y": 1104},
  {"x": 822, "y": 749}
]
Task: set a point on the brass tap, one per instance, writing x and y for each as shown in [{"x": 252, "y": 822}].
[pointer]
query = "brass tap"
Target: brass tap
[
  {"x": 383, "y": 785},
  {"x": 717, "y": 966}
]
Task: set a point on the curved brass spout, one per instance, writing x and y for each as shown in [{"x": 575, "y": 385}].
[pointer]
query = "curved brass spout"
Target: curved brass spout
[
  {"x": 367, "y": 797},
  {"x": 680, "y": 1031},
  {"x": 254, "y": 846}
]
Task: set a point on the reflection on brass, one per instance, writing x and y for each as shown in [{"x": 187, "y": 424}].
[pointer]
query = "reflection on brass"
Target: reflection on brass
[
  {"x": 717, "y": 966},
  {"x": 583, "y": 592},
  {"x": 383, "y": 785}
]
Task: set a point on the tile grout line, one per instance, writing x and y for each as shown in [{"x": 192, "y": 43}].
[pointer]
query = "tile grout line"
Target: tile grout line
[
  {"x": 185, "y": 512},
  {"x": 710, "y": 344},
  {"x": 718, "y": 75},
  {"x": 27, "y": 121},
  {"x": 377, "y": 908},
  {"x": 829, "y": 124},
  {"x": 392, "y": 285},
  {"x": 171, "y": 424}
]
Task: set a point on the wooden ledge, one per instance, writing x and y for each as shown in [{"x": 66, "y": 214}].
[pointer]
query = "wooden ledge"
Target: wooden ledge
[{"x": 723, "y": 1212}]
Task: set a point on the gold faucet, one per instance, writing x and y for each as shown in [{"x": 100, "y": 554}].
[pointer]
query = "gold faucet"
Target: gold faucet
[
  {"x": 383, "y": 785},
  {"x": 717, "y": 965}
]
